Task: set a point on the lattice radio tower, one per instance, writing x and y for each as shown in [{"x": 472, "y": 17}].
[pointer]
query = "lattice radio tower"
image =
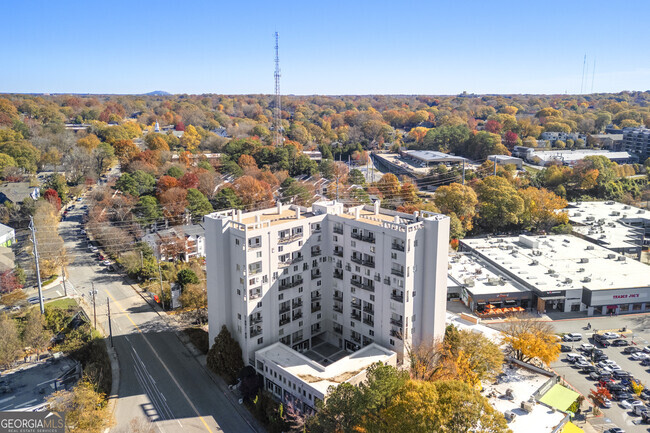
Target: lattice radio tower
[{"x": 277, "y": 113}]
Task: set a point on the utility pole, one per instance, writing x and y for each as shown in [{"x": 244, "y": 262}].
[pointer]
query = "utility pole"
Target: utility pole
[
  {"x": 38, "y": 269},
  {"x": 94, "y": 306},
  {"x": 110, "y": 328},
  {"x": 463, "y": 171},
  {"x": 162, "y": 290},
  {"x": 141, "y": 259},
  {"x": 495, "y": 165},
  {"x": 277, "y": 117},
  {"x": 65, "y": 290}
]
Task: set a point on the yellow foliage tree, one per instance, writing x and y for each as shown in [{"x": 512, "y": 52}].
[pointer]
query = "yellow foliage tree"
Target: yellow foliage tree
[
  {"x": 529, "y": 339},
  {"x": 191, "y": 138},
  {"x": 89, "y": 142}
]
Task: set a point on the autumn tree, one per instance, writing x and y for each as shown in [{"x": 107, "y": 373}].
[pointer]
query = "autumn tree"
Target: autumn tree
[
  {"x": 542, "y": 208},
  {"x": 252, "y": 192},
  {"x": 529, "y": 339},
  {"x": 51, "y": 249},
  {"x": 10, "y": 346},
  {"x": 155, "y": 141},
  {"x": 174, "y": 202},
  {"x": 166, "y": 183},
  {"x": 408, "y": 193},
  {"x": 194, "y": 297},
  {"x": 85, "y": 408},
  {"x": 389, "y": 186},
  {"x": 459, "y": 200},
  {"x": 89, "y": 142},
  {"x": 247, "y": 162},
  {"x": 191, "y": 138},
  {"x": 34, "y": 334}
]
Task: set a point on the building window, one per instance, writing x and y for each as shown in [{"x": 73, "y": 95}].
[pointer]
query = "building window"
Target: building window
[
  {"x": 259, "y": 254},
  {"x": 353, "y": 243},
  {"x": 392, "y": 343},
  {"x": 299, "y": 289},
  {"x": 238, "y": 292},
  {"x": 241, "y": 280},
  {"x": 236, "y": 241},
  {"x": 280, "y": 296},
  {"x": 238, "y": 267},
  {"x": 372, "y": 298},
  {"x": 260, "y": 340},
  {"x": 259, "y": 305},
  {"x": 280, "y": 249},
  {"x": 371, "y": 333},
  {"x": 238, "y": 316}
]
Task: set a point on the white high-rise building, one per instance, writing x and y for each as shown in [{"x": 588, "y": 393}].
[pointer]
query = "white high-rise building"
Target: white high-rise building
[{"x": 348, "y": 277}]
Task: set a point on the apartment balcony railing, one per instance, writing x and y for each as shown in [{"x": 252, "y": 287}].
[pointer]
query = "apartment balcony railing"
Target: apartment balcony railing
[
  {"x": 338, "y": 308},
  {"x": 284, "y": 264},
  {"x": 284, "y": 321},
  {"x": 396, "y": 322},
  {"x": 255, "y": 295},
  {"x": 255, "y": 332},
  {"x": 397, "y": 297},
  {"x": 338, "y": 297},
  {"x": 369, "y": 322},
  {"x": 290, "y": 284},
  {"x": 338, "y": 230},
  {"x": 356, "y": 283},
  {"x": 386, "y": 280},
  {"x": 369, "y": 263},
  {"x": 297, "y": 259},
  {"x": 338, "y": 330},
  {"x": 368, "y": 310},
  {"x": 316, "y": 275},
  {"x": 290, "y": 238},
  {"x": 395, "y": 333},
  {"x": 338, "y": 253},
  {"x": 364, "y": 238},
  {"x": 356, "y": 339},
  {"x": 256, "y": 320},
  {"x": 254, "y": 246},
  {"x": 398, "y": 272},
  {"x": 355, "y": 316},
  {"x": 296, "y": 316},
  {"x": 355, "y": 305},
  {"x": 364, "y": 286},
  {"x": 316, "y": 296},
  {"x": 315, "y": 308},
  {"x": 316, "y": 229},
  {"x": 285, "y": 309},
  {"x": 316, "y": 253},
  {"x": 398, "y": 247},
  {"x": 338, "y": 274},
  {"x": 254, "y": 271},
  {"x": 297, "y": 304}
]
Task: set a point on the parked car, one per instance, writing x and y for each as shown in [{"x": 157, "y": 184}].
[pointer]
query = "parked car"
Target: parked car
[
  {"x": 587, "y": 347},
  {"x": 645, "y": 394},
  {"x": 106, "y": 263},
  {"x": 640, "y": 408},
  {"x": 600, "y": 357},
  {"x": 33, "y": 300},
  {"x": 606, "y": 363},
  {"x": 589, "y": 369},
  {"x": 620, "y": 374},
  {"x": 610, "y": 335},
  {"x": 620, "y": 342},
  {"x": 573, "y": 336},
  {"x": 565, "y": 348},
  {"x": 632, "y": 349},
  {"x": 582, "y": 363},
  {"x": 573, "y": 357},
  {"x": 594, "y": 375},
  {"x": 606, "y": 402},
  {"x": 614, "y": 430},
  {"x": 634, "y": 403},
  {"x": 624, "y": 395},
  {"x": 645, "y": 362},
  {"x": 615, "y": 387},
  {"x": 639, "y": 356}
]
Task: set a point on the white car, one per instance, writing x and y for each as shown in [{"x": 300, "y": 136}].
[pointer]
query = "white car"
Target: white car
[
  {"x": 586, "y": 347},
  {"x": 626, "y": 404},
  {"x": 640, "y": 356},
  {"x": 603, "y": 364},
  {"x": 607, "y": 402},
  {"x": 610, "y": 335},
  {"x": 646, "y": 349},
  {"x": 582, "y": 363},
  {"x": 573, "y": 357}
]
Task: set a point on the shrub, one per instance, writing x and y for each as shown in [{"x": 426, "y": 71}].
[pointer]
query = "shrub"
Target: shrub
[{"x": 225, "y": 357}]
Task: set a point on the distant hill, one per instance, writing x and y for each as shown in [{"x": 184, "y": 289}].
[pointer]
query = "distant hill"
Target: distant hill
[{"x": 158, "y": 93}]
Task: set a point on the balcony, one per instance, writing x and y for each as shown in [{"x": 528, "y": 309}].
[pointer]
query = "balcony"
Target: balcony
[
  {"x": 369, "y": 263},
  {"x": 254, "y": 271},
  {"x": 316, "y": 296},
  {"x": 355, "y": 305},
  {"x": 297, "y": 259},
  {"x": 398, "y": 247},
  {"x": 256, "y": 319},
  {"x": 368, "y": 321},
  {"x": 296, "y": 304},
  {"x": 290, "y": 284},
  {"x": 315, "y": 308},
  {"x": 284, "y": 264},
  {"x": 368, "y": 309},
  {"x": 338, "y": 297},
  {"x": 364, "y": 238},
  {"x": 290, "y": 238},
  {"x": 365, "y": 286},
  {"x": 255, "y": 295},
  {"x": 398, "y": 272},
  {"x": 254, "y": 246},
  {"x": 338, "y": 329},
  {"x": 285, "y": 309},
  {"x": 338, "y": 253},
  {"x": 316, "y": 229},
  {"x": 396, "y": 322},
  {"x": 255, "y": 332},
  {"x": 338, "y": 274},
  {"x": 296, "y": 316},
  {"x": 338, "y": 308},
  {"x": 386, "y": 280},
  {"x": 355, "y": 316},
  {"x": 315, "y": 275},
  {"x": 338, "y": 230},
  {"x": 356, "y": 338},
  {"x": 397, "y": 297},
  {"x": 395, "y": 333},
  {"x": 284, "y": 321},
  {"x": 316, "y": 253}
]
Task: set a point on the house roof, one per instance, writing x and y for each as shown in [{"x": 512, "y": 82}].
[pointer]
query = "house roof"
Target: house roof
[{"x": 15, "y": 191}]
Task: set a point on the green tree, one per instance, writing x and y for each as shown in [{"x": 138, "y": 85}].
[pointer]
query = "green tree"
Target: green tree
[
  {"x": 356, "y": 177},
  {"x": 144, "y": 182},
  {"x": 225, "y": 356},
  {"x": 226, "y": 199},
  {"x": 127, "y": 184},
  {"x": 445, "y": 138},
  {"x": 175, "y": 172},
  {"x": 103, "y": 156},
  {"x": 459, "y": 200},
  {"x": 10, "y": 347},
  {"x": 198, "y": 204},
  {"x": 148, "y": 210},
  {"x": 186, "y": 276},
  {"x": 499, "y": 203}
]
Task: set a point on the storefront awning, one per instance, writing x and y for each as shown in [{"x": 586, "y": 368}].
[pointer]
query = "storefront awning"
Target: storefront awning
[{"x": 552, "y": 298}]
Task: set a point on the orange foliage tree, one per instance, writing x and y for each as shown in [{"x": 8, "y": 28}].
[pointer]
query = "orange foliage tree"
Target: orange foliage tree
[{"x": 252, "y": 192}]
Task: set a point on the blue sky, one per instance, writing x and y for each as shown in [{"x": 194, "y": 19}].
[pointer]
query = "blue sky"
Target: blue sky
[{"x": 332, "y": 47}]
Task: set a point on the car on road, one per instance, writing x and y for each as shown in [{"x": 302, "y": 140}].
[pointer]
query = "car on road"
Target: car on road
[
  {"x": 632, "y": 349},
  {"x": 582, "y": 363},
  {"x": 610, "y": 335},
  {"x": 33, "y": 300},
  {"x": 565, "y": 348},
  {"x": 614, "y": 430},
  {"x": 620, "y": 342},
  {"x": 587, "y": 347},
  {"x": 573, "y": 336}
]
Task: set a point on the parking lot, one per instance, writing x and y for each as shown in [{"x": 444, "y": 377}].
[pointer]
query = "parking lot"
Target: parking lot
[{"x": 637, "y": 334}]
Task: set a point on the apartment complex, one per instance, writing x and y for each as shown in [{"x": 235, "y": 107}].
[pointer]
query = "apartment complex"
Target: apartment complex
[
  {"x": 636, "y": 141},
  {"x": 327, "y": 275}
]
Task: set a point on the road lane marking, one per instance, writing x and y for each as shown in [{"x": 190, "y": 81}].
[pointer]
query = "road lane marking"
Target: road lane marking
[{"x": 161, "y": 362}]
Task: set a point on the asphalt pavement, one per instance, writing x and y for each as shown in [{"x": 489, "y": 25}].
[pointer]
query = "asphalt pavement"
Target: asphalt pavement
[{"x": 160, "y": 380}]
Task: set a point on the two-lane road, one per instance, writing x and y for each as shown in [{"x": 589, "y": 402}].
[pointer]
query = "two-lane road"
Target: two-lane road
[{"x": 160, "y": 380}]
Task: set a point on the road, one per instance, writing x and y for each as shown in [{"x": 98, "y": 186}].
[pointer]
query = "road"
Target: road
[{"x": 160, "y": 379}]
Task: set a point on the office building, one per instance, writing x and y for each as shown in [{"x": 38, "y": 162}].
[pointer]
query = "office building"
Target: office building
[{"x": 636, "y": 141}]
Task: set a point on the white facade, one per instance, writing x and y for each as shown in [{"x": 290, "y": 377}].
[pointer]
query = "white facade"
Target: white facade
[{"x": 350, "y": 277}]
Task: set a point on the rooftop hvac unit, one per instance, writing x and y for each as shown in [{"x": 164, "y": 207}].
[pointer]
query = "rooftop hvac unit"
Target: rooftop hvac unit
[
  {"x": 469, "y": 282},
  {"x": 568, "y": 281},
  {"x": 620, "y": 258},
  {"x": 534, "y": 263},
  {"x": 527, "y": 406},
  {"x": 581, "y": 270},
  {"x": 550, "y": 271},
  {"x": 586, "y": 280},
  {"x": 492, "y": 281},
  {"x": 611, "y": 256},
  {"x": 589, "y": 247},
  {"x": 626, "y": 207},
  {"x": 584, "y": 260}
]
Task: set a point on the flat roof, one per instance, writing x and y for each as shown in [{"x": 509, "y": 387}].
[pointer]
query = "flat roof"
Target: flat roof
[
  {"x": 479, "y": 276},
  {"x": 576, "y": 155},
  {"x": 492, "y": 334},
  {"x": 432, "y": 156},
  {"x": 523, "y": 383},
  {"x": 562, "y": 262},
  {"x": 607, "y": 222},
  {"x": 322, "y": 377}
]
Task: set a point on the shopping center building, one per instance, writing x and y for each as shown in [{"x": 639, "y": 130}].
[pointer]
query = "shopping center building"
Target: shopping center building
[{"x": 562, "y": 273}]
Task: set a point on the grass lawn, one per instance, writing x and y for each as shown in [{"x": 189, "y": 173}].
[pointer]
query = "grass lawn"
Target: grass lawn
[
  {"x": 532, "y": 170},
  {"x": 63, "y": 303},
  {"x": 199, "y": 338}
]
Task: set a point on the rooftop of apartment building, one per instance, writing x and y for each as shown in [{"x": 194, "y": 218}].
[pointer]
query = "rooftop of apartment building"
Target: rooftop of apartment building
[
  {"x": 325, "y": 365},
  {"x": 371, "y": 214},
  {"x": 607, "y": 222},
  {"x": 561, "y": 262}
]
